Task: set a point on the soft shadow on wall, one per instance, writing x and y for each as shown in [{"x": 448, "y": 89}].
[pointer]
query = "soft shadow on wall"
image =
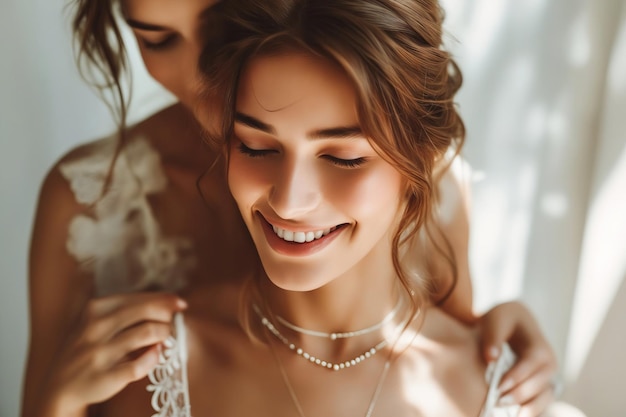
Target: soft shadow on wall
[{"x": 544, "y": 100}]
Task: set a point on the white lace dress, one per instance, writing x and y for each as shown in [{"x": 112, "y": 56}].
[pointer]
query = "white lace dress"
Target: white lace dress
[
  {"x": 121, "y": 243},
  {"x": 170, "y": 388}
]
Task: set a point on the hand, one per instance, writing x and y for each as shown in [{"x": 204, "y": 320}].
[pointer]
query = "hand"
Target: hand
[
  {"x": 530, "y": 382},
  {"x": 116, "y": 342}
]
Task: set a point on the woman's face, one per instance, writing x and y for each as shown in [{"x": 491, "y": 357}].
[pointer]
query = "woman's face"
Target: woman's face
[
  {"x": 169, "y": 36},
  {"x": 318, "y": 200}
]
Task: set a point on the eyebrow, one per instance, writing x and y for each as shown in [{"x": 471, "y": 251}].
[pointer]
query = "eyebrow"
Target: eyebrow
[
  {"x": 145, "y": 26},
  {"x": 137, "y": 24},
  {"x": 342, "y": 132}
]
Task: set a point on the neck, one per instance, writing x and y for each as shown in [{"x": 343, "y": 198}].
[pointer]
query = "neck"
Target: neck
[
  {"x": 358, "y": 298},
  {"x": 366, "y": 325}
]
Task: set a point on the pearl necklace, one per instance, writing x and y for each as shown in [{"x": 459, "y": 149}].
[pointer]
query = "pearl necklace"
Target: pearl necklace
[
  {"x": 292, "y": 392},
  {"x": 317, "y": 361},
  {"x": 296, "y": 402},
  {"x": 342, "y": 335}
]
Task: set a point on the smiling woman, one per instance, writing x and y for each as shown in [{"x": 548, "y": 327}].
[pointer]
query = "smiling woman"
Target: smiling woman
[{"x": 294, "y": 169}]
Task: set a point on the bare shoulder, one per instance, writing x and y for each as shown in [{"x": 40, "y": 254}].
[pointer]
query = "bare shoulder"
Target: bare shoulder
[
  {"x": 57, "y": 199},
  {"x": 150, "y": 129},
  {"x": 446, "y": 365},
  {"x": 158, "y": 128},
  {"x": 446, "y": 333},
  {"x": 452, "y": 343}
]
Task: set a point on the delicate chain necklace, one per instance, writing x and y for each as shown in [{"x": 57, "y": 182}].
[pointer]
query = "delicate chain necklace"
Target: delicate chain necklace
[
  {"x": 342, "y": 335},
  {"x": 373, "y": 400},
  {"x": 296, "y": 402},
  {"x": 317, "y": 361}
]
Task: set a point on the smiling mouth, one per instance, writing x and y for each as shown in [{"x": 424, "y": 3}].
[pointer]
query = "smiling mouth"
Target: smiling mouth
[
  {"x": 302, "y": 237},
  {"x": 299, "y": 243}
]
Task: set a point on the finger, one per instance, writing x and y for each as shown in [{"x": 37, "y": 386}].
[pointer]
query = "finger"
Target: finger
[
  {"x": 115, "y": 380},
  {"x": 537, "y": 405},
  {"x": 131, "y": 340},
  {"x": 105, "y": 306},
  {"x": 139, "y": 367},
  {"x": 534, "y": 361},
  {"x": 496, "y": 330},
  {"x": 492, "y": 346},
  {"x": 158, "y": 309},
  {"x": 531, "y": 387},
  {"x": 155, "y": 308}
]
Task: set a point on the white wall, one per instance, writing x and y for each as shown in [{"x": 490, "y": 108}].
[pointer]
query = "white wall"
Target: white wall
[{"x": 44, "y": 109}]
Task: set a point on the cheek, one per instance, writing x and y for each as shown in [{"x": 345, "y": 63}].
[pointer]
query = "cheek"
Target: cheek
[
  {"x": 163, "y": 71},
  {"x": 176, "y": 72},
  {"x": 366, "y": 193},
  {"x": 246, "y": 180}
]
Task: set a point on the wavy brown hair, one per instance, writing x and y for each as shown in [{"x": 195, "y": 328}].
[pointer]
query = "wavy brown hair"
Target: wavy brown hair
[
  {"x": 99, "y": 50},
  {"x": 102, "y": 61},
  {"x": 392, "y": 52}
]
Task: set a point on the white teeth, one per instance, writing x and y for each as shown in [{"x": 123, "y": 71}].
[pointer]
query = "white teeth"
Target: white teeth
[{"x": 301, "y": 237}]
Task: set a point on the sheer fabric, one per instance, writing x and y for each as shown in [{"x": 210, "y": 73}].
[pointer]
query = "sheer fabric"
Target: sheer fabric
[{"x": 120, "y": 242}]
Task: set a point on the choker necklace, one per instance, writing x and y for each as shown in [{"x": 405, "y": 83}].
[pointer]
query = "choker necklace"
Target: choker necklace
[
  {"x": 312, "y": 359},
  {"x": 342, "y": 335}
]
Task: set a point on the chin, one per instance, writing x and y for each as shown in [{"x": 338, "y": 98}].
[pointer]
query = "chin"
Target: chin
[{"x": 294, "y": 278}]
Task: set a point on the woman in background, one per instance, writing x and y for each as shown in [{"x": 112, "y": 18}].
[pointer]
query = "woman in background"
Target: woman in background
[{"x": 124, "y": 214}]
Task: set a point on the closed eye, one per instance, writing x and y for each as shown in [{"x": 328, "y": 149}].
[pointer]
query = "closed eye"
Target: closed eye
[
  {"x": 346, "y": 163},
  {"x": 160, "y": 45},
  {"x": 253, "y": 153}
]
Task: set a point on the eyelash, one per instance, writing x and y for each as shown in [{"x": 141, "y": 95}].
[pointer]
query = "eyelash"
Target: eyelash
[
  {"x": 344, "y": 163},
  {"x": 253, "y": 153},
  {"x": 156, "y": 46}
]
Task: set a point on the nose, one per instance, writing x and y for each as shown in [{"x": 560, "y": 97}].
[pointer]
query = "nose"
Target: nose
[{"x": 296, "y": 190}]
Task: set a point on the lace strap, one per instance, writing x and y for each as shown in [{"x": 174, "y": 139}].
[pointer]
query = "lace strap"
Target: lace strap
[
  {"x": 494, "y": 374},
  {"x": 168, "y": 380}
]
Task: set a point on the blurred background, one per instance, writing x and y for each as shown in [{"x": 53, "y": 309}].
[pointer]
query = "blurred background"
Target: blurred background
[{"x": 544, "y": 101}]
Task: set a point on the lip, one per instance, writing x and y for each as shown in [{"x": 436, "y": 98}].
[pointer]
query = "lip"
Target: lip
[{"x": 297, "y": 249}]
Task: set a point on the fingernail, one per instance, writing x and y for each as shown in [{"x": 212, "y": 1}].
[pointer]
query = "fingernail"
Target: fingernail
[
  {"x": 181, "y": 303},
  {"x": 494, "y": 352},
  {"x": 506, "y": 401},
  {"x": 506, "y": 385}
]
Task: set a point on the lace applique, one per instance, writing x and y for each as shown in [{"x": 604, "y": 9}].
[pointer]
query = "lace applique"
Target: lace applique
[
  {"x": 168, "y": 380},
  {"x": 122, "y": 244}
]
